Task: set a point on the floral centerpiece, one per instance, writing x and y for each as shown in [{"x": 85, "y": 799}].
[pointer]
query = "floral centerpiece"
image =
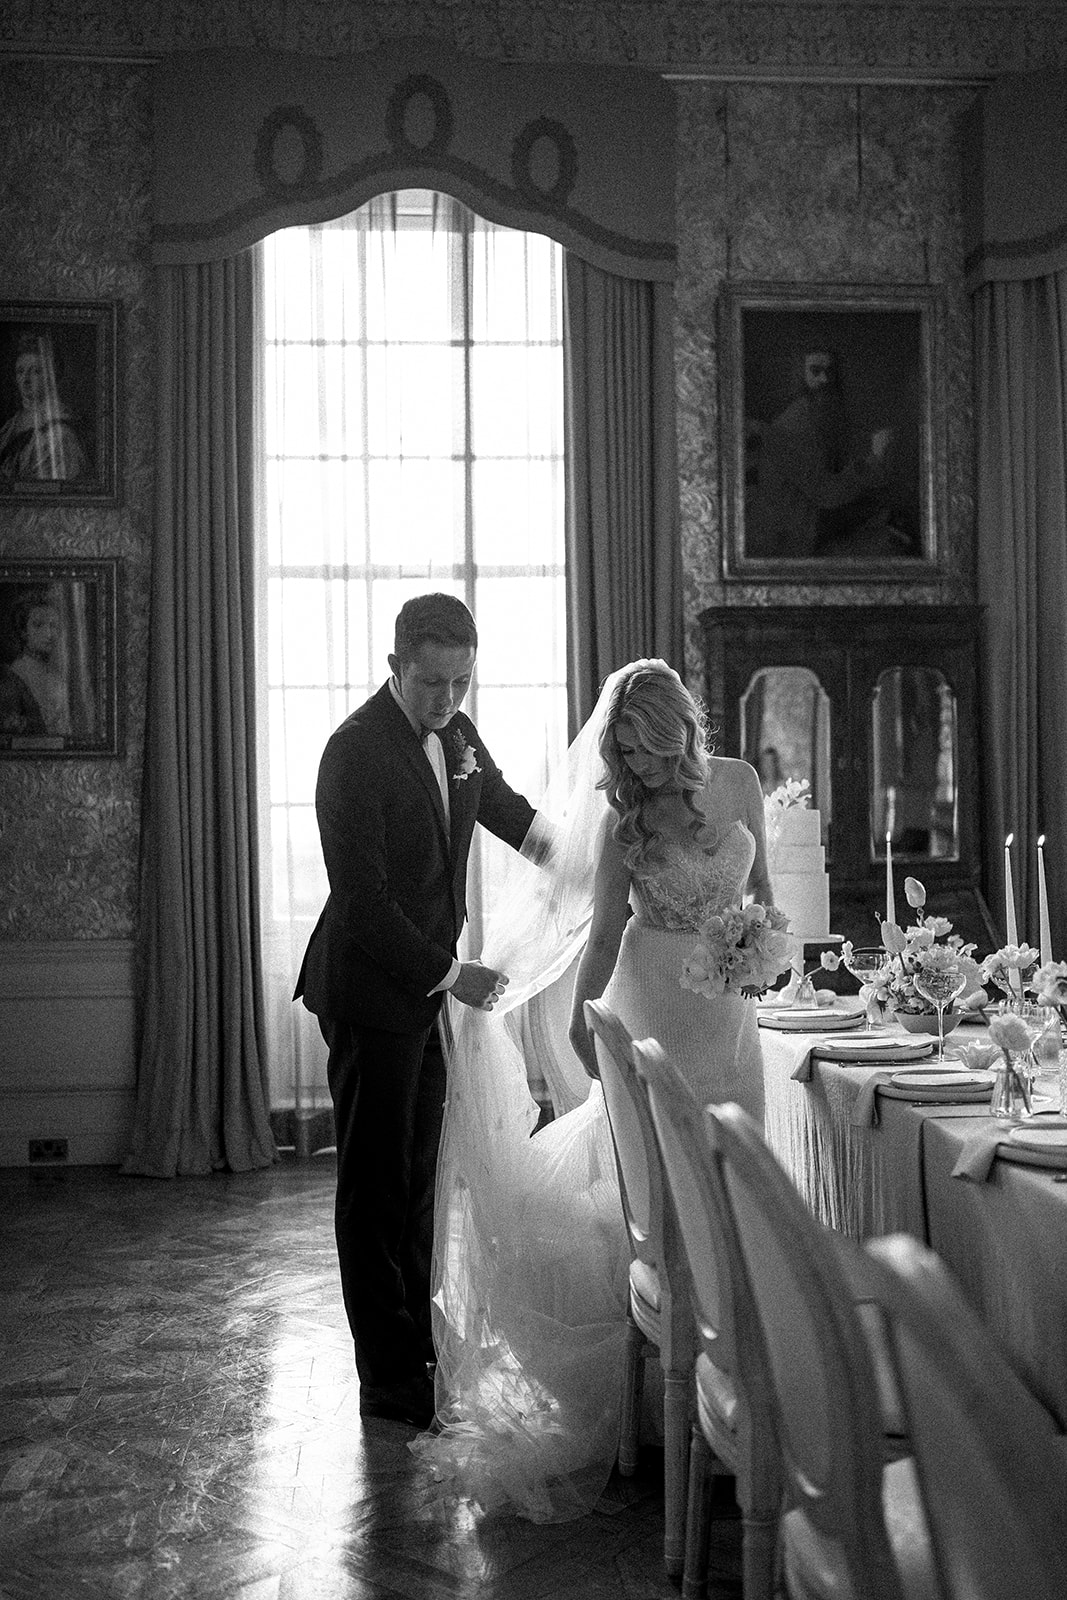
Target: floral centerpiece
[
  {"x": 913, "y": 950},
  {"x": 740, "y": 950}
]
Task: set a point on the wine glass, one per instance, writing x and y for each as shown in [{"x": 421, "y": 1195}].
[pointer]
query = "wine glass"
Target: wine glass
[
  {"x": 866, "y": 965},
  {"x": 939, "y": 988}
]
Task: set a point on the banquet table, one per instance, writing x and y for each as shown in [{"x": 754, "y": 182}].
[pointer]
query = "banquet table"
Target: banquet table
[{"x": 1004, "y": 1238}]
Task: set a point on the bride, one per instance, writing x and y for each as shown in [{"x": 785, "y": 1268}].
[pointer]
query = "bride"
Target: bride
[{"x": 649, "y": 836}]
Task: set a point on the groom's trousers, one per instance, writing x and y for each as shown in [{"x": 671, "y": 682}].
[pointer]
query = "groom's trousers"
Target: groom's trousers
[{"x": 388, "y": 1094}]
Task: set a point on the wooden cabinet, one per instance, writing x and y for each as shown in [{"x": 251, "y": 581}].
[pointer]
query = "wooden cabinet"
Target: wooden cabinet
[{"x": 877, "y": 707}]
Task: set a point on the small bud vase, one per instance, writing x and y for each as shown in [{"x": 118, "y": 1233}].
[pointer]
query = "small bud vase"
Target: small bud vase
[{"x": 1011, "y": 1089}]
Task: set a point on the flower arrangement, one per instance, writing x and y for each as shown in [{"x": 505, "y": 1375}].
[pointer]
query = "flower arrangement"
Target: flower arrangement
[
  {"x": 911, "y": 951},
  {"x": 1011, "y": 968},
  {"x": 466, "y": 761},
  {"x": 794, "y": 792},
  {"x": 740, "y": 950}
]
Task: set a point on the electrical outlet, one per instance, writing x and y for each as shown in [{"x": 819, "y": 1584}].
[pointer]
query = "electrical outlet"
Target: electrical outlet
[{"x": 48, "y": 1150}]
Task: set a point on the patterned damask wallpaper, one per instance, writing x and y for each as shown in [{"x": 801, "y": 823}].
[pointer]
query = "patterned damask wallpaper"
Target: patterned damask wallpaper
[
  {"x": 817, "y": 182},
  {"x": 74, "y": 215}
]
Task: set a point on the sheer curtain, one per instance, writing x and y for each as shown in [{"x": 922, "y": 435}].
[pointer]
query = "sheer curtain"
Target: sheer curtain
[{"x": 413, "y": 380}]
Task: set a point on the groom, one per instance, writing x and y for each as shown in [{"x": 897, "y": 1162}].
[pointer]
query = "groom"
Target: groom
[{"x": 401, "y": 784}]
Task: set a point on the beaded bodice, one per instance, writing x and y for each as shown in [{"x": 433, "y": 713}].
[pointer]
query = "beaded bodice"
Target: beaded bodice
[{"x": 696, "y": 881}]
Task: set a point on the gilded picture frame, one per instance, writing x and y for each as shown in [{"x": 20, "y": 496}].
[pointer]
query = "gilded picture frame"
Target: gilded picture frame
[
  {"x": 59, "y": 402},
  {"x": 59, "y": 646},
  {"x": 833, "y": 448}
]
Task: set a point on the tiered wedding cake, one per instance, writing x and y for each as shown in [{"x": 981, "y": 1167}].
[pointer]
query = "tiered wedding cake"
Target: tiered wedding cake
[{"x": 797, "y": 863}]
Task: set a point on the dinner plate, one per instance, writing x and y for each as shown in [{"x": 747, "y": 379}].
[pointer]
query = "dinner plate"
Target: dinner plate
[
  {"x": 942, "y": 1080},
  {"x": 861, "y": 1050},
  {"x": 818, "y": 1021},
  {"x": 1039, "y": 1138}
]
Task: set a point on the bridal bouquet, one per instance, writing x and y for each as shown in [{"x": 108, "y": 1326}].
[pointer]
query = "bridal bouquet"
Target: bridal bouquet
[
  {"x": 910, "y": 951},
  {"x": 741, "y": 950}
]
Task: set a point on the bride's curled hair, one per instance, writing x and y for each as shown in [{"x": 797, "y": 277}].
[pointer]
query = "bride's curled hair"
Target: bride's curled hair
[{"x": 668, "y": 722}]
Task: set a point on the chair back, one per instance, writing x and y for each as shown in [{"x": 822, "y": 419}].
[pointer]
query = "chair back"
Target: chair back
[
  {"x": 727, "y": 1325},
  {"x": 827, "y": 1417},
  {"x": 991, "y": 1468},
  {"x": 636, "y": 1152},
  {"x": 722, "y": 1306}
]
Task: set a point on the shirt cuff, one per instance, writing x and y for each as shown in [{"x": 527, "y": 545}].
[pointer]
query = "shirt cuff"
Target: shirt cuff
[{"x": 449, "y": 978}]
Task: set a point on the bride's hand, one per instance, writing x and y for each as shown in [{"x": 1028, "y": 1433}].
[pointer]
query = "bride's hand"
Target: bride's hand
[{"x": 582, "y": 1045}]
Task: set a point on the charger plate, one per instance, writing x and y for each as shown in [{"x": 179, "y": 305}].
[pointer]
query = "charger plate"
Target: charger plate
[
  {"x": 817, "y": 1021},
  {"x": 860, "y": 1051},
  {"x": 1028, "y": 1146},
  {"x": 932, "y": 1079}
]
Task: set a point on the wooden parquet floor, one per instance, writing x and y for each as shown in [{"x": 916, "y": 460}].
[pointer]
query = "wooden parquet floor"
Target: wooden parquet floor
[{"x": 179, "y": 1418}]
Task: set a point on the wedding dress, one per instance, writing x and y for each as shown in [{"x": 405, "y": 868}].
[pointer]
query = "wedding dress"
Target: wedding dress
[{"x": 530, "y": 1255}]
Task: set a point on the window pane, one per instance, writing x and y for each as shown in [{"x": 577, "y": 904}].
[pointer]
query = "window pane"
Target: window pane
[
  {"x": 521, "y": 631},
  {"x": 418, "y": 400},
  {"x": 417, "y": 514},
  {"x": 316, "y": 512},
  {"x": 515, "y": 287},
  {"x": 513, "y": 401},
  {"x": 517, "y": 507},
  {"x": 301, "y": 721},
  {"x": 318, "y": 631},
  {"x": 299, "y": 872}
]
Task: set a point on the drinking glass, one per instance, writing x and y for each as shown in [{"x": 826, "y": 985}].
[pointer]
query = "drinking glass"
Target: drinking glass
[
  {"x": 939, "y": 988},
  {"x": 1035, "y": 1019},
  {"x": 866, "y": 965}
]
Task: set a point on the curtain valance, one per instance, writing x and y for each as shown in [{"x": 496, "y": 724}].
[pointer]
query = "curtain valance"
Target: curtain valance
[
  {"x": 250, "y": 141},
  {"x": 1015, "y": 156}
]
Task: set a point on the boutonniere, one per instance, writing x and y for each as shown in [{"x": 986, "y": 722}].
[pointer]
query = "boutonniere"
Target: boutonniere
[{"x": 466, "y": 762}]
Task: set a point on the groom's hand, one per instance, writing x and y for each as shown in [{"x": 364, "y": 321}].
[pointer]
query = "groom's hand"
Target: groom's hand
[{"x": 478, "y": 986}]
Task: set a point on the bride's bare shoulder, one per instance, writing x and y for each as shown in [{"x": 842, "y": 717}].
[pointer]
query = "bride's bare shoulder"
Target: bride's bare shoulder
[{"x": 730, "y": 770}]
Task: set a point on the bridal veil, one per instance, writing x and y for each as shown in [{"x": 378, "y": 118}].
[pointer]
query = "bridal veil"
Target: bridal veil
[{"x": 530, "y": 1255}]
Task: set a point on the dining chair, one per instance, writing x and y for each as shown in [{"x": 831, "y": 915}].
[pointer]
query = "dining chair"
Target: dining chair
[
  {"x": 991, "y": 1465},
  {"x": 735, "y": 1421},
  {"x": 854, "y": 1527},
  {"x": 658, "y": 1314}
]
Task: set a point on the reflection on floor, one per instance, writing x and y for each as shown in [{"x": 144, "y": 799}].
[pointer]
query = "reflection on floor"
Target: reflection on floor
[{"x": 178, "y": 1418}]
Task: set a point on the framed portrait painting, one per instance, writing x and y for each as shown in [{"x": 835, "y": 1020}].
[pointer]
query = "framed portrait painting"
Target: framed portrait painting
[
  {"x": 59, "y": 634},
  {"x": 833, "y": 431},
  {"x": 58, "y": 402}
]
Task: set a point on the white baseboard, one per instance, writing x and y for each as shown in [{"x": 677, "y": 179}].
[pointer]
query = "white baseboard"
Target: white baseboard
[{"x": 67, "y": 1065}]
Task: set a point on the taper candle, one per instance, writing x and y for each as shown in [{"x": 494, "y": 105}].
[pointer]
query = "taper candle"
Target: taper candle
[
  {"x": 1044, "y": 935},
  {"x": 1010, "y": 924},
  {"x": 890, "y": 899}
]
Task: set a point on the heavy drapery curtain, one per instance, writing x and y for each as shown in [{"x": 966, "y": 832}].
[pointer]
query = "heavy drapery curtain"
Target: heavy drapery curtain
[
  {"x": 1021, "y": 365},
  {"x": 1016, "y": 216},
  {"x": 245, "y": 143},
  {"x": 201, "y": 1092},
  {"x": 623, "y": 553},
  {"x": 414, "y": 440}
]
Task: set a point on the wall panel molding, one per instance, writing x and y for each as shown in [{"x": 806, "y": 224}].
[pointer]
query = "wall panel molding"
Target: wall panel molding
[{"x": 67, "y": 1062}]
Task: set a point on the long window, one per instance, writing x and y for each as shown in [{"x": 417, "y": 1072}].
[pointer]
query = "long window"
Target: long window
[{"x": 414, "y": 435}]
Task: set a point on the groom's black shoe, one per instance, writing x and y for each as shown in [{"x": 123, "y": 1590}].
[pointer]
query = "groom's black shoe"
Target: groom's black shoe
[{"x": 411, "y": 1402}]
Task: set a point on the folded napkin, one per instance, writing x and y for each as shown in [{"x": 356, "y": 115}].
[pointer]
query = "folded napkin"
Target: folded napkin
[
  {"x": 976, "y": 1159},
  {"x": 860, "y": 1051},
  {"x": 865, "y": 1106}
]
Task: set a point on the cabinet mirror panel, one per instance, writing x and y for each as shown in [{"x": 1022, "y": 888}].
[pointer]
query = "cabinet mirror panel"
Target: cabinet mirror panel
[
  {"x": 785, "y": 722},
  {"x": 914, "y": 766}
]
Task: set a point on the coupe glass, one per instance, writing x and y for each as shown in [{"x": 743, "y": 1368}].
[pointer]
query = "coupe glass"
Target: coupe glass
[
  {"x": 866, "y": 965},
  {"x": 939, "y": 988}
]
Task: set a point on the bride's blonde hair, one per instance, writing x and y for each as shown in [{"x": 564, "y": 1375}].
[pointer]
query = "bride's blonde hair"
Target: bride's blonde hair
[{"x": 668, "y": 722}]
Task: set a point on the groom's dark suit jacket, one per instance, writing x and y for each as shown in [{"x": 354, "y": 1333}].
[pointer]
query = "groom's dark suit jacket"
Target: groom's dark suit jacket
[{"x": 398, "y": 878}]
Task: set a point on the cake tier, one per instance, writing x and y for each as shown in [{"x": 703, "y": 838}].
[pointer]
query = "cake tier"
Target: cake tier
[
  {"x": 799, "y": 858},
  {"x": 804, "y": 897},
  {"x": 800, "y": 825}
]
